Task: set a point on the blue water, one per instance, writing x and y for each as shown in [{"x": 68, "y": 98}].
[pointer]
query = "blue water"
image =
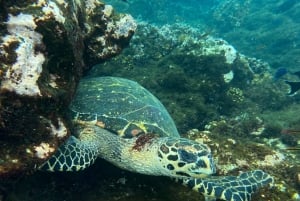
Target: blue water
[
  {"x": 193, "y": 90},
  {"x": 267, "y": 29}
]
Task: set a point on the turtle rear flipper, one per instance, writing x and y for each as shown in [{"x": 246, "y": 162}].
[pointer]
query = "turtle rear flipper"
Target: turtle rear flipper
[
  {"x": 72, "y": 156},
  {"x": 231, "y": 188}
]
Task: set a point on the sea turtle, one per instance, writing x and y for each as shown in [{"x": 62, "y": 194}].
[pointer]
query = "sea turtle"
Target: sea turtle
[{"x": 120, "y": 121}]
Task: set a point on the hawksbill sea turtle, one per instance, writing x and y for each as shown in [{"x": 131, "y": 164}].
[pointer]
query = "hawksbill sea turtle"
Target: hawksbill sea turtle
[{"x": 120, "y": 121}]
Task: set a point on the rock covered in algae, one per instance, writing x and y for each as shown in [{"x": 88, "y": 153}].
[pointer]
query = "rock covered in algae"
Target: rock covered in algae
[
  {"x": 44, "y": 48},
  {"x": 197, "y": 76}
]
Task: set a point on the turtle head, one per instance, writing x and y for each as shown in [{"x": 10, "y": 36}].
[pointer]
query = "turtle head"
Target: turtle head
[{"x": 185, "y": 158}]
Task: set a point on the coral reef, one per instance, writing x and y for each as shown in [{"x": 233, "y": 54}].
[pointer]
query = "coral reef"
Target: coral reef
[
  {"x": 236, "y": 154},
  {"x": 212, "y": 78},
  {"x": 269, "y": 31},
  {"x": 233, "y": 155},
  {"x": 229, "y": 99},
  {"x": 18, "y": 78},
  {"x": 240, "y": 21},
  {"x": 45, "y": 46},
  {"x": 235, "y": 107}
]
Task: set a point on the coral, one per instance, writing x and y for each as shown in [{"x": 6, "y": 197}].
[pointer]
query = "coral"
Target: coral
[
  {"x": 231, "y": 12},
  {"x": 235, "y": 118},
  {"x": 107, "y": 11},
  {"x": 60, "y": 130},
  {"x": 43, "y": 151},
  {"x": 235, "y": 94},
  {"x": 272, "y": 160},
  {"x": 219, "y": 46},
  {"x": 124, "y": 27},
  {"x": 228, "y": 76},
  {"x": 272, "y": 130},
  {"x": 109, "y": 40},
  {"x": 233, "y": 156},
  {"x": 43, "y": 55},
  {"x": 90, "y": 6},
  {"x": 22, "y": 76},
  {"x": 212, "y": 77},
  {"x": 174, "y": 81},
  {"x": 51, "y": 9}
]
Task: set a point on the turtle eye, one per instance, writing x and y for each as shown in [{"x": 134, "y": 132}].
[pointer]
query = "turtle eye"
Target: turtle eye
[{"x": 187, "y": 156}]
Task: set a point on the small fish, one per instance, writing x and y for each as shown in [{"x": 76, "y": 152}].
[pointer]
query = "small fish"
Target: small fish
[
  {"x": 292, "y": 148},
  {"x": 290, "y": 137},
  {"x": 290, "y": 131},
  {"x": 280, "y": 72},
  {"x": 294, "y": 87}
]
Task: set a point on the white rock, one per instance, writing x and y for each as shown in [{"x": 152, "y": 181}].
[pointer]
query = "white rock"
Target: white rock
[
  {"x": 22, "y": 76},
  {"x": 228, "y": 76}
]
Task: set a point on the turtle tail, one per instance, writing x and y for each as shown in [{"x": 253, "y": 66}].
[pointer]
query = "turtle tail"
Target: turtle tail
[
  {"x": 231, "y": 188},
  {"x": 72, "y": 156}
]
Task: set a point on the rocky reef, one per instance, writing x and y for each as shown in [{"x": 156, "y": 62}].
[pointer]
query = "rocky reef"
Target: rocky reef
[
  {"x": 198, "y": 77},
  {"x": 216, "y": 95},
  {"x": 45, "y": 46},
  {"x": 269, "y": 31},
  {"x": 230, "y": 99}
]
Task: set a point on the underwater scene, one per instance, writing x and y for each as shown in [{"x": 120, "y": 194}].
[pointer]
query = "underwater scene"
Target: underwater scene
[{"x": 137, "y": 100}]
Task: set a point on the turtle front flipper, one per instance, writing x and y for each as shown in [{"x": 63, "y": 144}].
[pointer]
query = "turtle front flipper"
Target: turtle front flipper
[
  {"x": 231, "y": 188},
  {"x": 75, "y": 155}
]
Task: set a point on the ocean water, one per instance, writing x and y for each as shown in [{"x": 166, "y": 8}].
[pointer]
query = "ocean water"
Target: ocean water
[
  {"x": 264, "y": 29},
  {"x": 249, "y": 121},
  {"x": 254, "y": 108}
]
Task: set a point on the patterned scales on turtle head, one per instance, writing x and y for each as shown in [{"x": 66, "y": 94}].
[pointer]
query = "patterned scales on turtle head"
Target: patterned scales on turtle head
[{"x": 120, "y": 133}]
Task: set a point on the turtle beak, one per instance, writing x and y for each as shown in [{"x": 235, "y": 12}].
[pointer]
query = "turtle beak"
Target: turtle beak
[
  {"x": 204, "y": 166},
  {"x": 185, "y": 158},
  {"x": 199, "y": 164}
]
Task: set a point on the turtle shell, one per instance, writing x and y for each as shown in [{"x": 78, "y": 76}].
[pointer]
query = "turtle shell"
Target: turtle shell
[{"x": 121, "y": 106}]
